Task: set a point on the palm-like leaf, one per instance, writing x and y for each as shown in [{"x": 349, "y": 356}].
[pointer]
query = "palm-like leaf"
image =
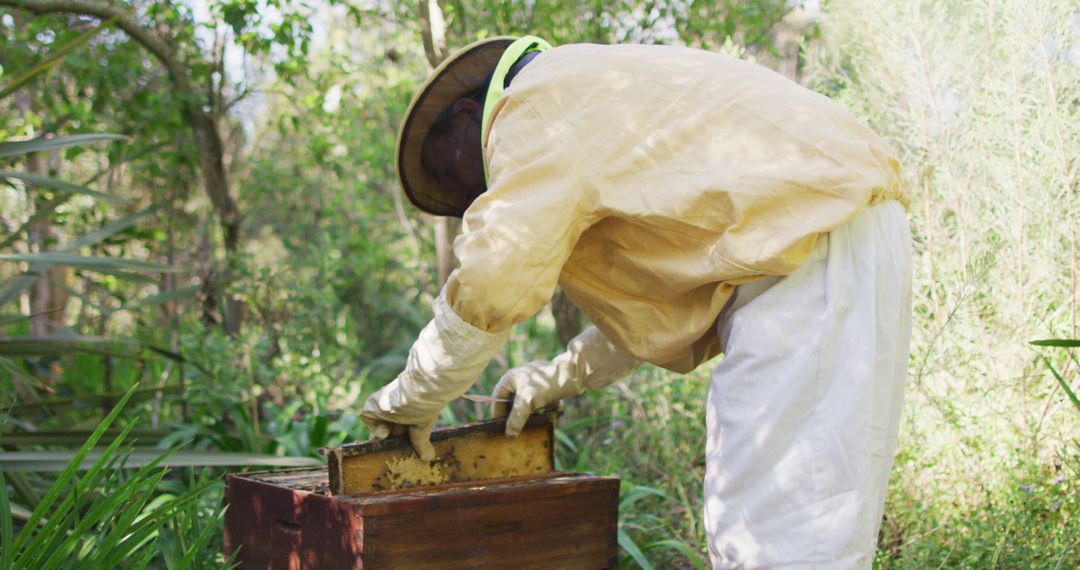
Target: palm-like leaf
[
  {"x": 88, "y": 399},
  {"x": 52, "y": 461},
  {"x": 60, "y": 186},
  {"x": 85, "y": 262},
  {"x": 17, "y": 148},
  {"x": 51, "y": 346},
  {"x": 98, "y": 519}
]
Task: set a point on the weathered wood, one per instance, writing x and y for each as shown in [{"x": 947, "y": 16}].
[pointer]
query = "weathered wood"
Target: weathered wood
[
  {"x": 287, "y": 519},
  {"x": 473, "y": 452}
]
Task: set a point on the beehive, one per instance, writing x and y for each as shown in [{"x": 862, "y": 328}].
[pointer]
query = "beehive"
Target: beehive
[
  {"x": 498, "y": 514},
  {"x": 475, "y": 452}
]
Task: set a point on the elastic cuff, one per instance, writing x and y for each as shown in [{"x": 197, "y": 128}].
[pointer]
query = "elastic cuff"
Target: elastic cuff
[{"x": 458, "y": 331}]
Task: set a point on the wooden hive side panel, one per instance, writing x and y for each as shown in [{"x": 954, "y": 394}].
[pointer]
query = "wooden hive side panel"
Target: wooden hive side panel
[
  {"x": 567, "y": 523},
  {"x": 284, "y": 520},
  {"x": 268, "y": 525}
]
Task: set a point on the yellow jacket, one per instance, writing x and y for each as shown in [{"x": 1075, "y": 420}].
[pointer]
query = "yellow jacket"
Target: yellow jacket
[{"x": 649, "y": 181}]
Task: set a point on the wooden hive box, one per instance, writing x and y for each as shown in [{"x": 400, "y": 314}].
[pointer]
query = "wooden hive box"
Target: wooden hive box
[{"x": 290, "y": 520}]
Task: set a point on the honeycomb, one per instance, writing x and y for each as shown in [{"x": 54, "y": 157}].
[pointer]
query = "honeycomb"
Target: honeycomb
[{"x": 476, "y": 456}]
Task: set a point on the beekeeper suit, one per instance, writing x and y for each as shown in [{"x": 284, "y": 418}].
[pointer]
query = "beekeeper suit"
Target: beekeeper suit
[{"x": 690, "y": 204}]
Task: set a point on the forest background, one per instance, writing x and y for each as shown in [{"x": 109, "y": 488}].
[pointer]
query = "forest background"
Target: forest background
[{"x": 225, "y": 277}]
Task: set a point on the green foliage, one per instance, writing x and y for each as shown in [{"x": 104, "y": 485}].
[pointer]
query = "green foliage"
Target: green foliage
[
  {"x": 335, "y": 274},
  {"x": 99, "y": 519},
  {"x": 979, "y": 99},
  {"x": 1062, "y": 382},
  {"x": 629, "y": 495},
  {"x": 755, "y": 25},
  {"x": 116, "y": 511},
  {"x": 195, "y": 539},
  {"x": 17, "y": 148},
  {"x": 1031, "y": 524},
  {"x": 650, "y": 431},
  {"x": 54, "y": 58},
  {"x": 39, "y": 263}
]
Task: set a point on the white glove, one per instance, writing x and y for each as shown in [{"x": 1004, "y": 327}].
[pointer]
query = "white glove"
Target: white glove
[
  {"x": 444, "y": 361},
  {"x": 590, "y": 361}
]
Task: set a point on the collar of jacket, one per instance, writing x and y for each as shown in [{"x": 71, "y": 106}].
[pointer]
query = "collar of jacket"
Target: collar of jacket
[
  {"x": 497, "y": 83},
  {"x": 518, "y": 66}
]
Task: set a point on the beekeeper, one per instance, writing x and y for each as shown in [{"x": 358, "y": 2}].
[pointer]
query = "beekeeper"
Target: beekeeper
[{"x": 690, "y": 204}]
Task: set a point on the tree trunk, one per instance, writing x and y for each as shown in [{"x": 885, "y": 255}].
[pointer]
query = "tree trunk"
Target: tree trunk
[
  {"x": 46, "y": 307},
  {"x": 433, "y": 33},
  {"x": 211, "y": 150},
  {"x": 788, "y": 41}
]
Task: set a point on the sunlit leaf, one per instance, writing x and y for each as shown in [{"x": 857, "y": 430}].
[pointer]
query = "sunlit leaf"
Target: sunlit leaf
[
  {"x": 86, "y": 262},
  {"x": 1064, "y": 385},
  {"x": 19, "y": 512},
  {"x": 1058, "y": 342},
  {"x": 14, "y": 148},
  {"x": 49, "y": 461}
]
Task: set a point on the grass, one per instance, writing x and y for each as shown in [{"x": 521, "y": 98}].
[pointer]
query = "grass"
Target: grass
[
  {"x": 978, "y": 97},
  {"x": 99, "y": 516},
  {"x": 650, "y": 431}
]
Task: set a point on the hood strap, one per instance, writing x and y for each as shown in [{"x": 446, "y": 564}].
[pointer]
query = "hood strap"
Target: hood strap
[{"x": 520, "y": 47}]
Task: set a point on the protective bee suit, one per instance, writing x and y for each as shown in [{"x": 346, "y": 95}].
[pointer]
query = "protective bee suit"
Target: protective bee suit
[{"x": 690, "y": 204}]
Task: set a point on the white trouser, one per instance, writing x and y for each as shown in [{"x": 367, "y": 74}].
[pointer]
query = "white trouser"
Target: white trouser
[{"x": 804, "y": 408}]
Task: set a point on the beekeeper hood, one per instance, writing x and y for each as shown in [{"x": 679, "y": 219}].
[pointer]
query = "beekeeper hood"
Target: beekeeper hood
[{"x": 460, "y": 75}]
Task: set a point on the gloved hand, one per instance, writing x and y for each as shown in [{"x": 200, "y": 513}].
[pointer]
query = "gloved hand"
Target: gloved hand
[
  {"x": 444, "y": 361},
  {"x": 590, "y": 361}
]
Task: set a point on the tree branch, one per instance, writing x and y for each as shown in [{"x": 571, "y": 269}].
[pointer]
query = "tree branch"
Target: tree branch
[
  {"x": 209, "y": 140},
  {"x": 154, "y": 44},
  {"x": 432, "y": 31}
]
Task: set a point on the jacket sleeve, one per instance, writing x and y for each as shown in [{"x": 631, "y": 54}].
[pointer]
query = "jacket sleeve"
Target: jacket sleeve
[{"x": 517, "y": 235}]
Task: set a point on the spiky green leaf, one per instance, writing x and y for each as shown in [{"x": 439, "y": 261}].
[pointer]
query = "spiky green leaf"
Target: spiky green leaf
[
  {"x": 86, "y": 262},
  {"x": 15, "y": 148},
  {"x": 50, "y": 461},
  {"x": 1058, "y": 342}
]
